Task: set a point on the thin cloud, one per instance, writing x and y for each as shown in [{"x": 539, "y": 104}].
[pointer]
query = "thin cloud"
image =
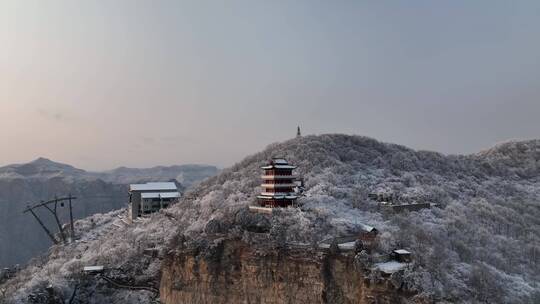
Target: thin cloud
[{"x": 54, "y": 115}]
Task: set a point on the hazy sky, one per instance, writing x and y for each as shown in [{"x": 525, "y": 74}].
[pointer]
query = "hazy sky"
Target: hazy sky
[{"x": 99, "y": 84}]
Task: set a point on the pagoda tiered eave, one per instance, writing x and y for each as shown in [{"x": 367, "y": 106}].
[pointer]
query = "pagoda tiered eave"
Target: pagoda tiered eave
[
  {"x": 274, "y": 194},
  {"x": 275, "y": 186},
  {"x": 277, "y": 197},
  {"x": 279, "y": 176},
  {"x": 278, "y": 167}
]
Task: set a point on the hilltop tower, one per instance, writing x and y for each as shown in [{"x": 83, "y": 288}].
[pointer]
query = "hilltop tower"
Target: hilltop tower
[
  {"x": 298, "y": 133},
  {"x": 278, "y": 184}
]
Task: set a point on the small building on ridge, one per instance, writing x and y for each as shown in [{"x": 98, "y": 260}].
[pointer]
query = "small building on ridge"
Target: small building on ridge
[
  {"x": 401, "y": 255},
  {"x": 151, "y": 197}
]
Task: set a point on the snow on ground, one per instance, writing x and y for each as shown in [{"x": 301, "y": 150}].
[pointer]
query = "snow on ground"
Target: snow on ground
[
  {"x": 486, "y": 204},
  {"x": 390, "y": 267},
  {"x": 342, "y": 246},
  {"x": 347, "y": 246},
  {"x": 103, "y": 239}
]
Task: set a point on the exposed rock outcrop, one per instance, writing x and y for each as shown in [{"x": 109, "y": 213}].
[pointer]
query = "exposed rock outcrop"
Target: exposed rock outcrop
[{"x": 236, "y": 272}]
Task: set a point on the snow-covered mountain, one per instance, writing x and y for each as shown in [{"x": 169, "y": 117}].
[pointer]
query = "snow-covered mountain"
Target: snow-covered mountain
[
  {"x": 187, "y": 175},
  {"x": 480, "y": 245},
  {"x": 43, "y": 169},
  {"x": 21, "y": 238}
]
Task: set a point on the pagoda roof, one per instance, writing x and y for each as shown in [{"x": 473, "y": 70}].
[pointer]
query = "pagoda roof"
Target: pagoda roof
[
  {"x": 279, "y": 167},
  {"x": 278, "y": 163}
]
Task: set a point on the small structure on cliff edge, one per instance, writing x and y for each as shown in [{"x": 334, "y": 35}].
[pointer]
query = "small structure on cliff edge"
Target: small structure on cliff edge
[
  {"x": 93, "y": 269},
  {"x": 151, "y": 197},
  {"x": 367, "y": 235},
  {"x": 399, "y": 260},
  {"x": 401, "y": 255},
  {"x": 393, "y": 202},
  {"x": 278, "y": 184}
]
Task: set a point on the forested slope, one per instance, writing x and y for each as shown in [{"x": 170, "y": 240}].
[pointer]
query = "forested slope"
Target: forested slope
[{"x": 480, "y": 245}]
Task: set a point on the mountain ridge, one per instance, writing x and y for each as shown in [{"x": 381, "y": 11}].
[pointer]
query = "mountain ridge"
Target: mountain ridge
[
  {"x": 487, "y": 214},
  {"x": 44, "y": 168}
]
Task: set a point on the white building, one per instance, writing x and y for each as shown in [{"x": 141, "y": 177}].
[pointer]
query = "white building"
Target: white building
[{"x": 151, "y": 197}]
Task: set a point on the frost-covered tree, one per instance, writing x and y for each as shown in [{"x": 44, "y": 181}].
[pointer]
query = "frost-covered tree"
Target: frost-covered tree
[{"x": 484, "y": 234}]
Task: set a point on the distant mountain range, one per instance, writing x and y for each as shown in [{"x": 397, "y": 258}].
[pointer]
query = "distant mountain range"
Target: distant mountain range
[
  {"x": 43, "y": 168},
  {"x": 187, "y": 175},
  {"x": 21, "y": 238}
]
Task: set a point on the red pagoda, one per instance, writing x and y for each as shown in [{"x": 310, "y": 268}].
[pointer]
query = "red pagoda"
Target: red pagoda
[{"x": 278, "y": 184}]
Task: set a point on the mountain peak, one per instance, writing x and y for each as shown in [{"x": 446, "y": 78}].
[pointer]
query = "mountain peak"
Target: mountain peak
[
  {"x": 42, "y": 161},
  {"x": 40, "y": 168}
]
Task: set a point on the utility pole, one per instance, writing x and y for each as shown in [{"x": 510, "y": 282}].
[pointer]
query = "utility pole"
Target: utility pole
[
  {"x": 55, "y": 241},
  {"x": 71, "y": 218},
  {"x": 54, "y": 212}
]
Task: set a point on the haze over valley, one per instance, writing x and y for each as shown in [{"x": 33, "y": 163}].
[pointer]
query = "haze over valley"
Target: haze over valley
[{"x": 21, "y": 237}]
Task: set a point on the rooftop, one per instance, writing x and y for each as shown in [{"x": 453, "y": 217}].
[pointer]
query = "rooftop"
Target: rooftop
[
  {"x": 279, "y": 163},
  {"x": 161, "y": 186},
  {"x": 402, "y": 251},
  {"x": 367, "y": 228},
  {"x": 279, "y": 167},
  {"x": 93, "y": 268}
]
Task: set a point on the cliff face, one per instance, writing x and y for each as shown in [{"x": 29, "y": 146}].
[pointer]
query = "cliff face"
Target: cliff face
[{"x": 238, "y": 273}]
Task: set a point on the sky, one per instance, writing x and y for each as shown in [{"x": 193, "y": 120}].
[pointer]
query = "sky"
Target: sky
[{"x": 101, "y": 84}]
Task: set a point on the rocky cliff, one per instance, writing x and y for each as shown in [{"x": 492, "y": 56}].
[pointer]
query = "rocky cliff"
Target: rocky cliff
[{"x": 232, "y": 271}]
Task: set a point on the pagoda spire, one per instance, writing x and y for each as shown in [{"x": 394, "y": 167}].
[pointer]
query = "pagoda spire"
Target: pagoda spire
[{"x": 298, "y": 133}]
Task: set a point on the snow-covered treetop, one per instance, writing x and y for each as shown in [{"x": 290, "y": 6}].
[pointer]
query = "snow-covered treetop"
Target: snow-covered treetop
[{"x": 487, "y": 215}]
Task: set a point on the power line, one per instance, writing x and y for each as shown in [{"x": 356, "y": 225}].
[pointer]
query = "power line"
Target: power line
[{"x": 104, "y": 196}]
